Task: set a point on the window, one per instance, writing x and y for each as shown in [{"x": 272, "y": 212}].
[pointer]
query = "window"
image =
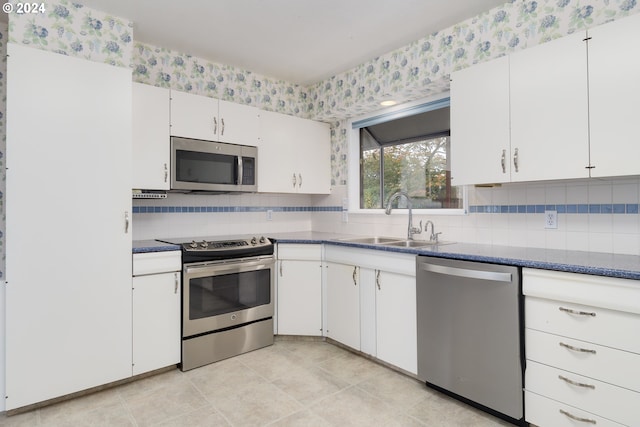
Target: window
[{"x": 411, "y": 154}]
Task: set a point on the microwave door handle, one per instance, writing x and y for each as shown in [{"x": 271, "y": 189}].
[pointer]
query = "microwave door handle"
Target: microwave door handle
[{"x": 239, "y": 170}]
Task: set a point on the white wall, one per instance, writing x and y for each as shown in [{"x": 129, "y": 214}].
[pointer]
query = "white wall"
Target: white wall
[{"x": 599, "y": 232}]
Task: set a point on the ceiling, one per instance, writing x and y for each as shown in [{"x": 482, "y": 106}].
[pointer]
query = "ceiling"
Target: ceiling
[{"x": 299, "y": 41}]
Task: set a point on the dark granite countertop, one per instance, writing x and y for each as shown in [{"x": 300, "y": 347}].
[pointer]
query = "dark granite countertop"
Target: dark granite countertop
[
  {"x": 594, "y": 263},
  {"x": 144, "y": 246}
]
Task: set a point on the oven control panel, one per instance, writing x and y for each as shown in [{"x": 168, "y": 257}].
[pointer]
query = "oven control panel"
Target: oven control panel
[{"x": 206, "y": 245}]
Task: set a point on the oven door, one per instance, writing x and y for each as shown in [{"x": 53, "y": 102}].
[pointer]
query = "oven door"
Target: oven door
[{"x": 223, "y": 294}]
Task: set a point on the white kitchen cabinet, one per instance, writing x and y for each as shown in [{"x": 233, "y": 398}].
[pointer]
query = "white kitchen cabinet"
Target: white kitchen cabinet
[
  {"x": 480, "y": 128},
  {"x": 581, "y": 349},
  {"x": 299, "y": 281},
  {"x": 343, "y": 304},
  {"x": 294, "y": 155},
  {"x": 151, "y": 151},
  {"x": 549, "y": 110},
  {"x": 156, "y": 310},
  {"x": 68, "y": 240},
  {"x": 614, "y": 67},
  {"x": 386, "y": 310},
  {"x": 210, "y": 119},
  {"x": 396, "y": 333}
]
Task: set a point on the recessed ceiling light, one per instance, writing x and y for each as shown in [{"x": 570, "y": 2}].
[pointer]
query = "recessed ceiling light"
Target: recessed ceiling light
[{"x": 388, "y": 103}]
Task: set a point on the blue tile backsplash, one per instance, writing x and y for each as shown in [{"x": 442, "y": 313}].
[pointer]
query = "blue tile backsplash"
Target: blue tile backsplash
[
  {"x": 226, "y": 209},
  {"x": 607, "y": 208}
]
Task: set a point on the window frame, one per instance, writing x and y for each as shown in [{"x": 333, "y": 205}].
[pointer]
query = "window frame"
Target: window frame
[{"x": 353, "y": 133}]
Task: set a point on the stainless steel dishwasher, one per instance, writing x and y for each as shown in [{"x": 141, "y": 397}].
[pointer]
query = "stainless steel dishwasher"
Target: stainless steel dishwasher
[{"x": 470, "y": 342}]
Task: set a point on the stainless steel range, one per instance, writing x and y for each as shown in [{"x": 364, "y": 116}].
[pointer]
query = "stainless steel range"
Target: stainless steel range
[{"x": 227, "y": 298}]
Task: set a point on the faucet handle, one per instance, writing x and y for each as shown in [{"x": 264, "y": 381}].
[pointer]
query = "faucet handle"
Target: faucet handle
[
  {"x": 417, "y": 230},
  {"x": 434, "y": 236}
]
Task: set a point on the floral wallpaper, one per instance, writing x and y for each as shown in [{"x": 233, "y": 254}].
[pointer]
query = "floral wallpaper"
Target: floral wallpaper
[
  {"x": 412, "y": 72},
  {"x": 167, "y": 68},
  {"x": 72, "y": 29}
]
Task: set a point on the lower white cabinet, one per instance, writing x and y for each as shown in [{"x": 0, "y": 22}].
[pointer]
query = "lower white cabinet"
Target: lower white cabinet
[
  {"x": 396, "y": 334},
  {"x": 581, "y": 348},
  {"x": 299, "y": 295},
  {"x": 156, "y": 310},
  {"x": 371, "y": 303},
  {"x": 343, "y": 304}
]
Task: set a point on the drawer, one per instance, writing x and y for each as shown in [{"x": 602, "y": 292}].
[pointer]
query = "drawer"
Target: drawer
[
  {"x": 545, "y": 412},
  {"x": 299, "y": 252},
  {"x": 602, "y": 326},
  {"x": 157, "y": 262},
  {"x": 596, "y": 291},
  {"x": 591, "y": 360},
  {"x": 597, "y": 397}
]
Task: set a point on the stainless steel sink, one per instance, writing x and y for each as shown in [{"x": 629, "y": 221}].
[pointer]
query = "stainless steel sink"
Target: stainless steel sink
[
  {"x": 413, "y": 243},
  {"x": 375, "y": 240}
]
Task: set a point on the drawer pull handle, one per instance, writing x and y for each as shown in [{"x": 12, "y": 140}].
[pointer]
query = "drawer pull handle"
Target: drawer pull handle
[
  {"x": 575, "y": 383},
  {"x": 579, "y": 313},
  {"x": 573, "y": 417},
  {"x": 581, "y": 350}
]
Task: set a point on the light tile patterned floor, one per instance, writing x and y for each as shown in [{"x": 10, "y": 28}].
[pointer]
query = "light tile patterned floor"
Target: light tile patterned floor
[{"x": 292, "y": 383}]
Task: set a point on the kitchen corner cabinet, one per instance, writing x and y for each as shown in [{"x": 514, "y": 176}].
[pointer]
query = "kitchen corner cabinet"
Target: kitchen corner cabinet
[
  {"x": 299, "y": 281},
  {"x": 151, "y": 151},
  {"x": 210, "y": 119},
  {"x": 480, "y": 133},
  {"x": 614, "y": 67},
  {"x": 294, "y": 155},
  {"x": 582, "y": 349},
  {"x": 68, "y": 246},
  {"x": 343, "y": 303},
  {"x": 156, "y": 310},
  {"x": 371, "y": 303}
]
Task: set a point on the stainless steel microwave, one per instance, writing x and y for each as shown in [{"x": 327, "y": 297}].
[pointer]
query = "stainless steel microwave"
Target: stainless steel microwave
[{"x": 212, "y": 166}]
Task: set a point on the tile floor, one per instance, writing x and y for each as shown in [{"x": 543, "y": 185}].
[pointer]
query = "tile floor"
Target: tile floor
[{"x": 292, "y": 383}]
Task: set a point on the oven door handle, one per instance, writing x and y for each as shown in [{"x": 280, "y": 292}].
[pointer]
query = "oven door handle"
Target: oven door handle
[{"x": 225, "y": 268}]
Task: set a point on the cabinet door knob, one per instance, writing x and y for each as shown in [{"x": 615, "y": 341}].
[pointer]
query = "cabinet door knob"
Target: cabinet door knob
[
  {"x": 378, "y": 279},
  {"x": 215, "y": 125},
  {"x": 221, "y": 126},
  {"x": 295, "y": 182},
  {"x": 503, "y": 161},
  {"x": 355, "y": 271},
  {"x": 515, "y": 159}
]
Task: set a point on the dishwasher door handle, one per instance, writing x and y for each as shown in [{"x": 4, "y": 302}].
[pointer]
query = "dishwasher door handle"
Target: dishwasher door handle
[{"x": 463, "y": 272}]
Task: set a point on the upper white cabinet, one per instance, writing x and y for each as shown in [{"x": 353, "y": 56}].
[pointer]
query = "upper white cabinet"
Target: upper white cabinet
[
  {"x": 614, "y": 90},
  {"x": 294, "y": 155},
  {"x": 480, "y": 138},
  {"x": 299, "y": 279},
  {"x": 570, "y": 109},
  {"x": 68, "y": 313},
  {"x": 201, "y": 117},
  {"x": 150, "y": 137},
  {"x": 549, "y": 111}
]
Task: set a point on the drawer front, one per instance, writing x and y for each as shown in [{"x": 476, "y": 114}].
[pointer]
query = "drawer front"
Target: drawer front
[
  {"x": 299, "y": 252},
  {"x": 611, "y": 328},
  {"x": 545, "y": 412},
  {"x": 591, "y": 360},
  {"x": 599, "y": 398},
  {"x": 157, "y": 262}
]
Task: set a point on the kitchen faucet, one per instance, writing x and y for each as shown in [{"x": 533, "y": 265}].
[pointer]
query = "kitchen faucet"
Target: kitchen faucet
[{"x": 411, "y": 230}]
